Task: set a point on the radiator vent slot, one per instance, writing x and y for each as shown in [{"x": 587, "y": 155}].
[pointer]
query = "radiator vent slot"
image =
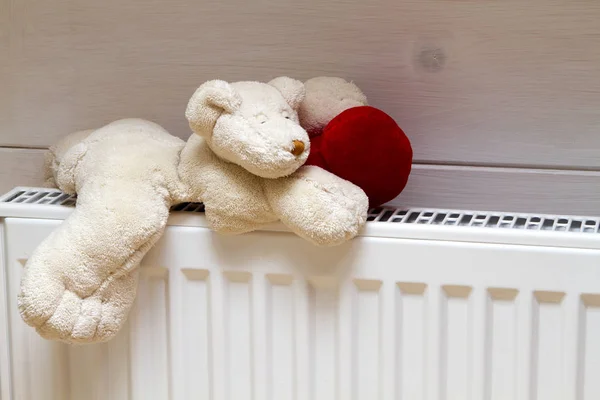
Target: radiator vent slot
[
  {"x": 38, "y": 196},
  {"x": 483, "y": 219},
  {"x": 486, "y": 219}
]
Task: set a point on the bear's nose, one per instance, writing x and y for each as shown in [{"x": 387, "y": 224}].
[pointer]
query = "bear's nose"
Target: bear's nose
[{"x": 298, "y": 148}]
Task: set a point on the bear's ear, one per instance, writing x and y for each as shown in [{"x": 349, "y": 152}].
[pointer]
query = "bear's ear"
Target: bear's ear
[
  {"x": 207, "y": 104},
  {"x": 292, "y": 90}
]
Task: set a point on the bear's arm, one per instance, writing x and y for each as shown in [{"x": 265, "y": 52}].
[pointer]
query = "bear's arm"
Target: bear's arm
[{"x": 234, "y": 199}]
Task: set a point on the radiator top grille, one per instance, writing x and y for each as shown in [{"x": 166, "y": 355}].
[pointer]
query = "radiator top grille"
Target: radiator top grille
[{"x": 483, "y": 219}]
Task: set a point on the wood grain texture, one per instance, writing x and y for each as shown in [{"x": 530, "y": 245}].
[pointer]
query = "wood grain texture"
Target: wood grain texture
[
  {"x": 485, "y": 189},
  {"x": 476, "y": 82},
  {"x": 21, "y": 167},
  {"x": 502, "y": 189}
]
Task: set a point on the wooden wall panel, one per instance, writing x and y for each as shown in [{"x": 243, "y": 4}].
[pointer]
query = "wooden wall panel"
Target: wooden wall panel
[
  {"x": 21, "y": 167},
  {"x": 503, "y": 189},
  {"x": 491, "y": 82},
  {"x": 487, "y": 189}
]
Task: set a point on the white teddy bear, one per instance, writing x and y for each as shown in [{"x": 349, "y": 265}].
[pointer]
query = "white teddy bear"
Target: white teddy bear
[{"x": 244, "y": 162}]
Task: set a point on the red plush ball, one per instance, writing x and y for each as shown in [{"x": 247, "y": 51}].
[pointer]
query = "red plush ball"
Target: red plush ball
[{"x": 365, "y": 146}]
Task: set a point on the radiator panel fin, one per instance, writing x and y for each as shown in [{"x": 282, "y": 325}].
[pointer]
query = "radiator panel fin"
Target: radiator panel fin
[
  {"x": 239, "y": 339},
  {"x": 367, "y": 347},
  {"x": 411, "y": 340},
  {"x": 502, "y": 347},
  {"x": 149, "y": 324},
  {"x": 281, "y": 352},
  {"x": 190, "y": 333}
]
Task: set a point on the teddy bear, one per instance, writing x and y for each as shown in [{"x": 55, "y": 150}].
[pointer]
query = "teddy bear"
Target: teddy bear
[
  {"x": 244, "y": 161},
  {"x": 353, "y": 140}
]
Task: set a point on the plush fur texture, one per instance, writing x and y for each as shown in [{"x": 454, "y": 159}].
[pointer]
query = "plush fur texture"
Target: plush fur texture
[
  {"x": 79, "y": 284},
  {"x": 326, "y": 97},
  {"x": 356, "y": 142}
]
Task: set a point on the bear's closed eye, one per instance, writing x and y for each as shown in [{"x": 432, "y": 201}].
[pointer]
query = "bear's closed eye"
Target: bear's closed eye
[{"x": 261, "y": 118}]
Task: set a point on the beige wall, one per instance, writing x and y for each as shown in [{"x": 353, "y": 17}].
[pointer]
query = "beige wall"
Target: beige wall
[{"x": 501, "y": 99}]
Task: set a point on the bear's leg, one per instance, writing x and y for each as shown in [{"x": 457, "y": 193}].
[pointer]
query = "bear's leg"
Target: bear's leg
[
  {"x": 318, "y": 205},
  {"x": 79, "y": 284},
  {"x": 67, "y": 150}
]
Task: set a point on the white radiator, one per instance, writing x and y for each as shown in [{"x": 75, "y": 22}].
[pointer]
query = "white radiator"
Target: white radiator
[{"x": 435, "y": 305}]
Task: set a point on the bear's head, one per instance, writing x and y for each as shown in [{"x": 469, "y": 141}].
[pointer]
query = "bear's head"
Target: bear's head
[
  {"x": 327, "y": 97},
  {"x": 252, "y": 124}
]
